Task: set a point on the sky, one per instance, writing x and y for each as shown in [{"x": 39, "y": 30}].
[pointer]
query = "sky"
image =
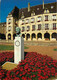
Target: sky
[{"x": 6, "y": 6}]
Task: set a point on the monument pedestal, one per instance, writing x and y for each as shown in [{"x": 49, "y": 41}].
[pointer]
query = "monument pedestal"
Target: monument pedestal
[{"x": 18, "y": 49}]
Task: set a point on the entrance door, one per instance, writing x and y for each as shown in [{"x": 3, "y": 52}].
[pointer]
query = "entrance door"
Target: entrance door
[
  {"x": 47, "y": 36},
  {"x": 9, "y": 36}
]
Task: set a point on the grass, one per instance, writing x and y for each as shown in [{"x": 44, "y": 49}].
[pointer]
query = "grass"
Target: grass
[
  {"x": 55, "y": 49},
  {"x": 9, "y": 47}
]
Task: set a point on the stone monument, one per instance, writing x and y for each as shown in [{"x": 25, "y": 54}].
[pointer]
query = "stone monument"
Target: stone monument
[{"x": 18, "y": 46}]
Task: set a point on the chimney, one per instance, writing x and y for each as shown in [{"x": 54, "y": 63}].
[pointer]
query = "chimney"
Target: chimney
[
  {"x": 28, "y": 7},
  {"x": 43, "y": 4}
]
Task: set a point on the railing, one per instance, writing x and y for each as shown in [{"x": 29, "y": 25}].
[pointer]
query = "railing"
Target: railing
[
  {"x": 33, "y": 29},
  {"x": 46, "y": 28}
]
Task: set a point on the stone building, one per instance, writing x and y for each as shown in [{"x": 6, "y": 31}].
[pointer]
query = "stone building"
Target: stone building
[
  {"x": 3, "y": 31},
  {"x": 37, "y": 23}
]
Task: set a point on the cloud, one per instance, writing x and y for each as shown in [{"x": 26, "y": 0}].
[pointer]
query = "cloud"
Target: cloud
[{"x": 0, "y": 0}]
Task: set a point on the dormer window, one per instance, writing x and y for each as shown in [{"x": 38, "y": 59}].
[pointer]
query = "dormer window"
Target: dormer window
[
  {"x": 32, "y": 20},
  {"x": 22, "y": 15},
  {"x": 27, "y": 21},
  {"x": 37, "y": 8},
  {"x": 52, "y": 7},
  {"x": 33, "y": 13},
  {"x": 39, "y": 19},
  {"x": 54, "y": 17},
  {"x": 46, "y": 11}
]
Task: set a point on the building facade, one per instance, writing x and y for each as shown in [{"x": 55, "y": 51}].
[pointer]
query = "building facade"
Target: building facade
[{"x": 37, "y": 23}]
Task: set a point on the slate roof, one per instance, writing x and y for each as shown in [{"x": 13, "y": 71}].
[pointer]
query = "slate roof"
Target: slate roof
[{"x": 38, "y": 9}]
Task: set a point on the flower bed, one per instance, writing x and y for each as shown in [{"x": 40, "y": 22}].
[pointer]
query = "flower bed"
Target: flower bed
[
  {"x": 6, "y": 56},
  {"x": 34, "y": 67}
]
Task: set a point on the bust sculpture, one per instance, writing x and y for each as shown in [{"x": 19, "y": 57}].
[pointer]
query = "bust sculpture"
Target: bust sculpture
[{"x": 18, "y": 32}]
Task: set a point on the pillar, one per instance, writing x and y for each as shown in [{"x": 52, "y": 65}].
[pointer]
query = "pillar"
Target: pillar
[
  {"x": 43, "y": 37},
  {"x": 30, "y": 37},
  {"x": 6, "y": 37},
  {"x": 36, "y": 37},
  {"x": 25, "y": 37},
  {"x": 11, "y": 37},
  {"x": 50, "y": 37}
]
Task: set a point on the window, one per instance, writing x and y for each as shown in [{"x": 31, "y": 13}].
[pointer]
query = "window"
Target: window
[
  {"x": 54, "y": 26},
  {"x": 22, "y": 22},
  {"x": 33, "y": 13},
  {"x": 23, "y": 29},
  {"x": 28, "y": 28},
  {"x": 39, "y": 19},
  {"x": 39, "y": 27},
  {"x": 54, "y": 17},
  {"x": 46, "y": 27},
  {"x": 32, "y": 20},
  {"x": 33, "y": 27},
  {"x": 46, "y": 11},
  {"x": 46, "y": 18},
  {"x": 9, "y": 21},
  {"x": 9, "y": 28},
  {"x": 27, "y": 21}
]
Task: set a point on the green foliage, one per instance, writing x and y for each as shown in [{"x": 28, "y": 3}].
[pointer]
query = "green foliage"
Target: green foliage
[{"x": 55, "y": 49}]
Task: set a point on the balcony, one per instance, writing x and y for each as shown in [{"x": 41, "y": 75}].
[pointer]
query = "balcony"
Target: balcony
[
  {"x": 54, "y": 19},
  {"x": 22, "y": 30},
  {"x": 39, "y": 21},
  {"x": 33, "y": 29},
  {"x": 46, "y": 28},
  {"x": 54, "y": 28},
  {"x": 46, "y": 20},
  {"x": 26, "y": 22},
  {"x": 22, "y": 24},
  {"x": 38, "y": 29},
  {"x": 28, "y": 30},
  {"x": 32, "y": 21}
]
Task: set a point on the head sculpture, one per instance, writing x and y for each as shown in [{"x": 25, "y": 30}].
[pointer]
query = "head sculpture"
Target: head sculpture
[{"x": 18, "y": 31}]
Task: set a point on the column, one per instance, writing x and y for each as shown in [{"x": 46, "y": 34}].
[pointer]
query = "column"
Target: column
[
  {"x": 43, "y": 37},
  {"x": 30, "y": 37},
  {"x": 36, "y": 37},
  {"x": 6, "y": 37},
  {"x": 50, "y": 37},
  {"x": 11, "y": 37},
  {"x": 25, "y": 37}
]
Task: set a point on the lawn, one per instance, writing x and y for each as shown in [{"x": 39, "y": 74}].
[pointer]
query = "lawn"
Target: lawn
[{"x": 9, "y": 47}]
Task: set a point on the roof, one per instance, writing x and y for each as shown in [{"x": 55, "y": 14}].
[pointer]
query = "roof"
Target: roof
[
  {"x": 38, "y": 9},
  {"x": 15, "y": 12}
]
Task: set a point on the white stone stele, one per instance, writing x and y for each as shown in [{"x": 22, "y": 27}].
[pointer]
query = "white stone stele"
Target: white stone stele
[{"x": 18, "y": 49}]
